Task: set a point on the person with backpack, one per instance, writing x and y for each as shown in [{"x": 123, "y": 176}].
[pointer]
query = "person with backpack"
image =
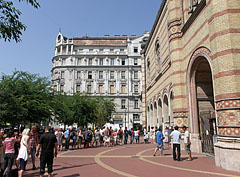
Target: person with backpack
[{"x": 120, "y": 135}]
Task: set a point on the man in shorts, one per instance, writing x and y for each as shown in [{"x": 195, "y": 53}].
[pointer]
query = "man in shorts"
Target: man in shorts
[
  {"x": 187, "y": 143},
  {"x": 159, "y": 145}
]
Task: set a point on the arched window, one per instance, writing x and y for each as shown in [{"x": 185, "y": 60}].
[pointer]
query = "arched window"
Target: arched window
[{"x": 158, "y": 54}]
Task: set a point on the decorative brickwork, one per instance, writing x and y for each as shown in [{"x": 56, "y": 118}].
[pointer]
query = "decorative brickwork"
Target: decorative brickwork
[
  {"x": 228, "y": 117},
  {"x": 229, "y": 131},
  {"x": 228, "y": 104},
  {"x": 174, "y": 29},
  {"x": 180, "y": 114},
  {"x": 228, "y": 113}
]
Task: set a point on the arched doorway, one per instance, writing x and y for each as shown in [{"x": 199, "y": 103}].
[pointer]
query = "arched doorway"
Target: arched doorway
[
  {"x": 171, "y": 109},
  {"x": 202, "y": 108},
  {"x": 148, "y": 118},
  {"x": 160, "y": 117},
  {"x": 165, "y": 110},
  {"x": 151, "y": 115},
  {"x": 155, "y": 117}
]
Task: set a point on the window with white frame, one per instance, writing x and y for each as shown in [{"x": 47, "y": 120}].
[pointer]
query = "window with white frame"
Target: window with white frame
[
  {"x": 101, "y": 61},
  {"x": 123, "y": 75},
  {"x": 89, "y": 74},
  {"x": 90, "y": 61},
  {"x": 100, "y": 74},
  {"x": 61, "y": 88},
  {"x": 112, "y": 61},
  {"x": 136, "y": 117},
  {"x": 89, "y": 88},
  {"x": 135, "y": 104},
  {"x": 123, "y": 61},
  {"x": 123, "y": 88},
  {"x": 123, "y": 103},
  {"x": 135, "y": 74},
  {"x": 135, "y": 50},
  {"x": 78, "y": 74},
  {"x": 135, "y": 88},
  {"x": 100, "y": 88},
  {"x": 112, "y": 89},
  {"x": 78, "y": 61},
  {"x": 111, "y": 74},
  {"x": 135, "y": 61},
  {"x": 62, "y": 75},
  {"x": 78, "y": 86}
]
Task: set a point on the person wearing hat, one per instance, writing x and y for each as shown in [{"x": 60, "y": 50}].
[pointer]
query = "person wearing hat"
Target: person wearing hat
[{"x": 187, "y": 143}]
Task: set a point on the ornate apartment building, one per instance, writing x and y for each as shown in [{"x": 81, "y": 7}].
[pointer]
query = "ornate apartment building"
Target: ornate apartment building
[
  {"x": 191, "y": 71},
  {"x": 102, "y": 66}
]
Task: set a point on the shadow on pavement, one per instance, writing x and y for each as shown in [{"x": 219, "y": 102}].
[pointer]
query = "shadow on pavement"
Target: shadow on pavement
[
  {"x": 60, "y": 168},
  {"x": 73, "y": 175}
]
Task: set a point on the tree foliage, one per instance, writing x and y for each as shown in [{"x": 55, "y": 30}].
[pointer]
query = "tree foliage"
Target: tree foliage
[
  {"x": 10, "y": 25},
  {"x": 28, "y": 98},
  {"x": 83, "y": 109},
  {"x": 24, "y": 98}
]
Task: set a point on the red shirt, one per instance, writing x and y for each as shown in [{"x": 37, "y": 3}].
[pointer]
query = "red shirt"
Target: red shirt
[
  {"x": 9, "y": 144},
  {"x": 33, "y": 139}
]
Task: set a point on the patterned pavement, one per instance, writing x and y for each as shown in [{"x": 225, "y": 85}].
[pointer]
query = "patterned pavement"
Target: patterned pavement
[{"x": 130, "y": 160}]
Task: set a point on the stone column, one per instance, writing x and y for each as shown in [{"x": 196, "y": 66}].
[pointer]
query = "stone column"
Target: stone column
[{"x": 224, "y": 40}]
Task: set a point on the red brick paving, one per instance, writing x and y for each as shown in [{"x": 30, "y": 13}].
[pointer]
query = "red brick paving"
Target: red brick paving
[{"x": 81, "y": 162}]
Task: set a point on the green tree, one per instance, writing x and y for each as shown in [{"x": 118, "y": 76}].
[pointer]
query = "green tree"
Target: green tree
[
  {"x": 62, "y": 109},
  {"x": 24, "y": 98},
  {"x": 10, "y": 25}
]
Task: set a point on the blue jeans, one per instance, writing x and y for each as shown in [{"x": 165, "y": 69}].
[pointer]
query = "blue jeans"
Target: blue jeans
[
  {"x": 131, "y": 142},
  {"x": 8, "y": 162},
  {"x": 125, "y": 139}
]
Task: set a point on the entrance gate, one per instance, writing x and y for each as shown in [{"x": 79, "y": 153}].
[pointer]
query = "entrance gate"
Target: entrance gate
[{"x": 207, "y": 122}]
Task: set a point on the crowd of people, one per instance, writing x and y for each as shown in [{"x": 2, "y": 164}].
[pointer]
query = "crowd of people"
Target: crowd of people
[{"x": 17, "y": 146}]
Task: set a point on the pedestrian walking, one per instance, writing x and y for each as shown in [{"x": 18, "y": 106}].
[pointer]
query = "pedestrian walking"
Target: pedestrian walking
[
  {"x": 33, "y": 140},
  {"x": 167, "y": 138},
  {"x": 145, "y": 133},
  {"x": 1, "y": 148},
  {"x": 176, "y": 135},
  {"x": 152, "y": 135},
  {"x": 120, "y": 135},
  {"x": 59, "y": 136},
  {"x": 8, "y": 146},
  {"x": 80, "y": 137},
  {"x": 49, "y": 149},
  {"x": 187, "y": 143},
  {"x": 125, "y": 135},
  {"x": 74, "y": 138},
  {"x": 136, "y": 135},
  {"x": 67, "y": 138},
  {"x": 24, "y": 151},
  {"x": 132, "y": 136},
  {"x": 159, "y": 142}
]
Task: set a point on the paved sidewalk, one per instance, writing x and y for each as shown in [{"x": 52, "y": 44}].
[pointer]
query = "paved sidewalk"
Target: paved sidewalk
[{"x": 130, "y": 160}]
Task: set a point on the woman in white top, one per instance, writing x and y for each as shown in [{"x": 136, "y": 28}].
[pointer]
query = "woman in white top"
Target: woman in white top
[{"x": 24, "y": 151}]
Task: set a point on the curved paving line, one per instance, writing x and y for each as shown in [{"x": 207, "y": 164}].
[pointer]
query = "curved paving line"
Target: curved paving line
[
  {"x": 99, "y": 162},
  {"x": 180, "y": 168}
]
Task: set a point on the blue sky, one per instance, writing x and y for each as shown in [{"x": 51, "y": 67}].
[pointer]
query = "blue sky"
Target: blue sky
[{"x": 75, "y": 18}]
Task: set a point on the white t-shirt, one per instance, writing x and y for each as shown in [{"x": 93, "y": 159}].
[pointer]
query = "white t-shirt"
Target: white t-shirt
[
  {"x": 186, "y": 135},
  {"x": 136, "y": 133},
  {"x": 176, "y": 137}
]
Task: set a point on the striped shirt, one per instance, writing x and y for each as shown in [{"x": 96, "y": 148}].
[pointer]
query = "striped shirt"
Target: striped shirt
[{"x": 9, "y": 144}]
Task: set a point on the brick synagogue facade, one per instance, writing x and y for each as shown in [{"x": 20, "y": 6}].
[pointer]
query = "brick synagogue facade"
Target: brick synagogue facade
[{"x": 191, "y": 75}]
